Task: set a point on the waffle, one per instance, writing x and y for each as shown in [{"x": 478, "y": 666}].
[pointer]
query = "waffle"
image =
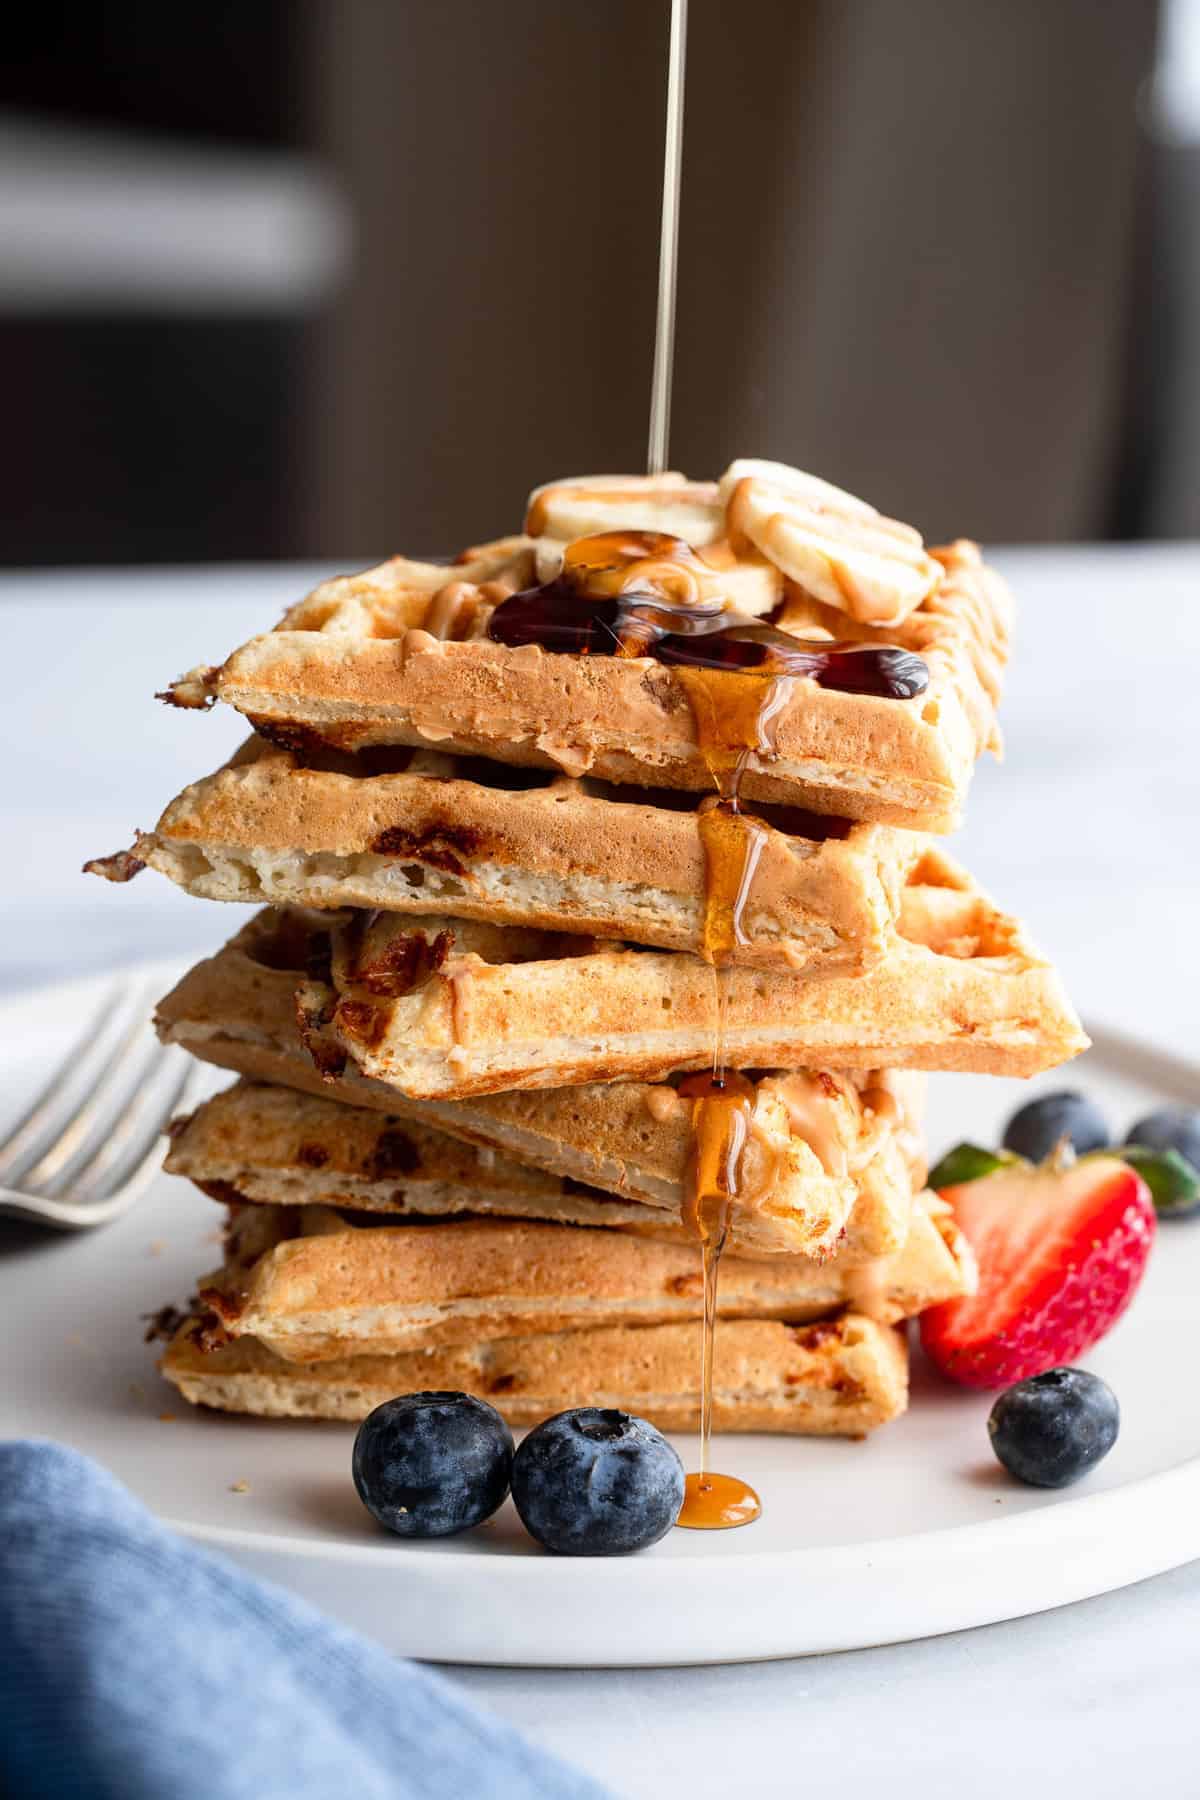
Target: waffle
[
  {"x": 837, "y": 1378},
  {"x": 440, "y": 1009},
  {"x": 519, "y": 847},
  {"x": 313, "y": 1160},
  {"x": 400, "y": 655},
  {"x": 314, "y": 1284},
  {"x": 273, "y": 1146},
  {"x": 237, "y": 1009}
]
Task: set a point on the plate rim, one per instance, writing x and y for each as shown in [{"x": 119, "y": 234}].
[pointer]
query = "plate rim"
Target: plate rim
[
  {"x": 1028, "y": 1522},
  {"x": 1086, "y": 1522}
]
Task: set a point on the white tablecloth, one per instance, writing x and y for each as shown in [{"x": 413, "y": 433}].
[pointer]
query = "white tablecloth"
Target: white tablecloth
[{"x": 1090, "y": 828}]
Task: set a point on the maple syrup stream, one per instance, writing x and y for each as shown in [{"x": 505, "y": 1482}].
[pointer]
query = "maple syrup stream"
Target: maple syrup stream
[
  {"x": 722, "y": 1101},
  {"x": 641, "y": 594}
]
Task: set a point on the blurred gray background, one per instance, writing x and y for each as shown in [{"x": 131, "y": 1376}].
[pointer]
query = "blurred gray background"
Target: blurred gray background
[{"x": 337, "y": 277}]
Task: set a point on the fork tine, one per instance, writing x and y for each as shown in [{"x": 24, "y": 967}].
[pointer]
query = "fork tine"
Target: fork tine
[
  {"x": 88, "y": 1107},
  {"x": 31, "y": 1121},
  {"x": 81, "y": 1210},
  {"x": 127, "y": 1184},
  {"x": 136, "y": 1129},
  {"x": 126, "y": 1085}
]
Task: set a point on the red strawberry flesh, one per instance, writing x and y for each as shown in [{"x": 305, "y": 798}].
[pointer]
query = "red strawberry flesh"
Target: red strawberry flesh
[{"x": 1060, "y": 1253}]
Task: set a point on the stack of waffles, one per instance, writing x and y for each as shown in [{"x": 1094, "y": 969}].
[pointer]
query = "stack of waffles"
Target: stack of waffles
[{"x": 532, "y": 835}]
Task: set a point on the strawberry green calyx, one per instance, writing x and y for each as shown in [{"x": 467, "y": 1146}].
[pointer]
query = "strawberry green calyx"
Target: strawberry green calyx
[
  {"x": 967, "y": 1162},
  {"x": 1173, "y": 1181}
]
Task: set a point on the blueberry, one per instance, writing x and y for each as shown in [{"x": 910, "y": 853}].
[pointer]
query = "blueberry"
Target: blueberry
[
  {"x": 1036, "y": 1127},
  {"x": 1053, "y": 1428},
  {"x": 1172, "y": 1128},
  {"x": 428, "y": 1465},
  {"x": 596, "y": 1482}
]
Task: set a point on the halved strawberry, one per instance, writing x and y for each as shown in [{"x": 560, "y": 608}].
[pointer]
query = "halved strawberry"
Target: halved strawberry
[{"x": 1060, "y": 1253}]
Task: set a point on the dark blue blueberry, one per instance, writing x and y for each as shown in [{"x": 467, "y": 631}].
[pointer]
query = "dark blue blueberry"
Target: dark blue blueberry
[
  {"x": 595, "y": 1482},
  {"x": 1053, "y": 1428},
  {"x": 1036, "y": 1127},
  {"x": 428, "y": 1465},
  {"x": 1171, "y": 1128}
]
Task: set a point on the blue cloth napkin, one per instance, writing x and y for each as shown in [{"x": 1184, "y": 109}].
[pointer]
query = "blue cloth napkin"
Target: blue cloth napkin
[{"x": 136, "y": 1666}]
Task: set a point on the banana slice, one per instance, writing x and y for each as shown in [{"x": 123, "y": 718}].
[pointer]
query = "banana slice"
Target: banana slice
[
  {"x": 747, "y": 583},
  {"x": 548, "y": 556},
  {"x": 585, "y": 505},
  {"x": 777, "y": 474},
  {"x": 833, "y": 545}
]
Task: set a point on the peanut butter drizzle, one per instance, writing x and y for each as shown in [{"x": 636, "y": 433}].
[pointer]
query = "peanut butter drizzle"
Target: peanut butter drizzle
[
  {"x": 445, "y": 616},
  {"x": 808, "y": 1102},
  {"x": 459, "y": 977},
  {"x": 613, "y": 563},
  {"x": 660, "y": 1102},
  {"x": 868, "y": 1290}
]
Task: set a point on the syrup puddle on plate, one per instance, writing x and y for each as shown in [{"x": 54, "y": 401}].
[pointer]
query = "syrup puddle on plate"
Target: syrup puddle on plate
[{"x": 717, "y": 1503}]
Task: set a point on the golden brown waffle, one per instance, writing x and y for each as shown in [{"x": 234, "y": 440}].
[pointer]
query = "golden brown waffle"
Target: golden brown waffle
[
  {"x": 276, "y": 1147},
  {"x": 440, "y": 1009},
  {"x": 446, "y": 1009},
  {"x": 314, "y": 1284},
  {"x": 400, "y": 655},
  {"x": 520, "y": 847},
  {"x": 272, "y": 1146},
  {"x": 838, "y": 1378},
  {"x": 237, "y": 1009}
]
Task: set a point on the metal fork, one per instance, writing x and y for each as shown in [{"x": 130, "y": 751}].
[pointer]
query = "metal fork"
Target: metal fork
[{"x": 88, "y": 1145}]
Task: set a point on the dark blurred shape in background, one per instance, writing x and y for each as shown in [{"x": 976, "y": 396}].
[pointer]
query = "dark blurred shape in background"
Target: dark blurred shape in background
[{"x": 334, "y": 277}]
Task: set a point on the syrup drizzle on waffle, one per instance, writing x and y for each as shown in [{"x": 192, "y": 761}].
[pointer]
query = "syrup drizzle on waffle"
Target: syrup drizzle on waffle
[
  {"x": 723, "y": 1101},
  {"x": 638, "y": 593},
  {"x": 646, "y": 594},
  {"x": 642, "y": 593}
]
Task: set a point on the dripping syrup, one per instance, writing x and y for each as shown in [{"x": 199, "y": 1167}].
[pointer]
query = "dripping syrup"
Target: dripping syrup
[
  {"x": 642, "y": 593},
  {"x": 722, "y": 1099},
  {"x": 732, "y": 721},
  {"x": 722, "y": 1108}
]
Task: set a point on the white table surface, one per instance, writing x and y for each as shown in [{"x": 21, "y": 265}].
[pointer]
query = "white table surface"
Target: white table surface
[{"x": 1091, "y": 829}]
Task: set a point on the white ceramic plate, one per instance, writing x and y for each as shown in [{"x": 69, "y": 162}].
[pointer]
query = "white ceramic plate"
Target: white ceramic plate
[{"x": 914, "y": 1532}]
